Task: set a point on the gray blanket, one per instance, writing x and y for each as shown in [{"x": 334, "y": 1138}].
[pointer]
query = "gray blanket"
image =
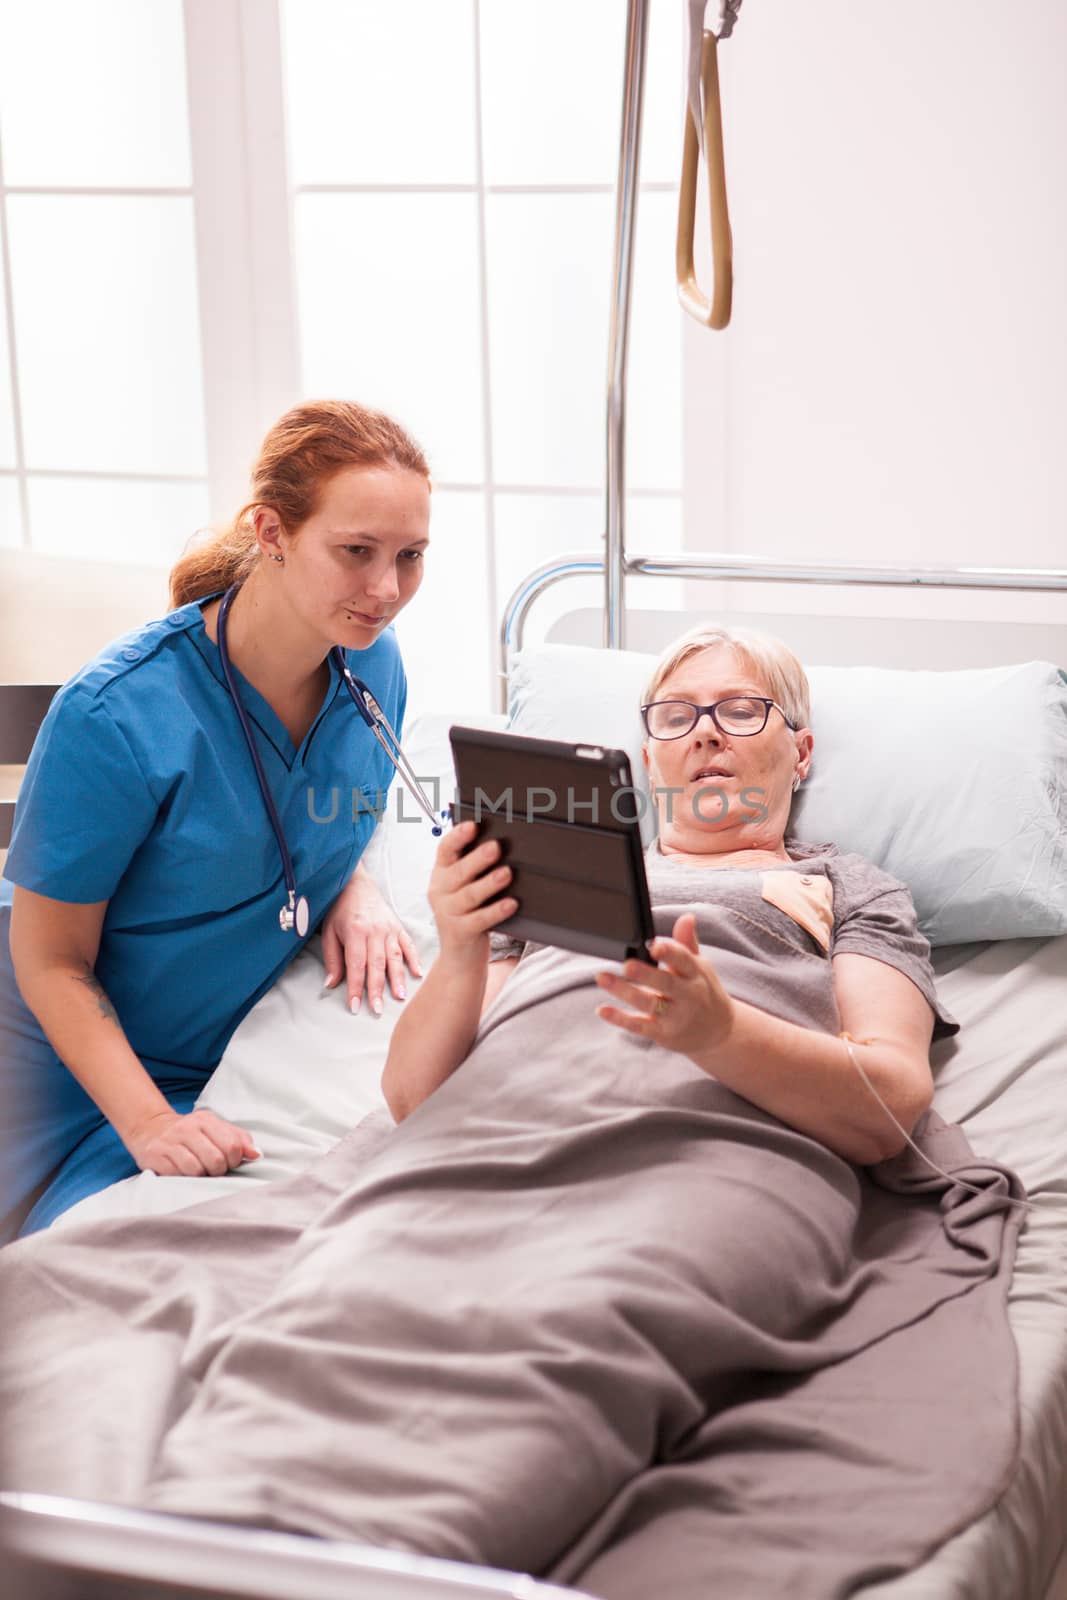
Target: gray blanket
[{"x": 586, "y": 1313}]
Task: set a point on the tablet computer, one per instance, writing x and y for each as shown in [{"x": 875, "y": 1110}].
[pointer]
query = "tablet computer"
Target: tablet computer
[{"x": 567, "y": 819}]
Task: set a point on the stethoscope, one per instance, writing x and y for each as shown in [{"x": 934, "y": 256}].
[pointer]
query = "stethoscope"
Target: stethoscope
[{"x": 295, "y": 915}]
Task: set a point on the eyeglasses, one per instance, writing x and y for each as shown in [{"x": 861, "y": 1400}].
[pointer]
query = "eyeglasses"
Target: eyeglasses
[{"x": 740, "y": 715}]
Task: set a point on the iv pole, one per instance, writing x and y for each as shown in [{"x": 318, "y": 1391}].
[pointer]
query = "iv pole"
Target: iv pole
[
  {"x": 612, "y": 559},
  {"x": 618, "y": 337},
  {"x": 703, "y": 132}
]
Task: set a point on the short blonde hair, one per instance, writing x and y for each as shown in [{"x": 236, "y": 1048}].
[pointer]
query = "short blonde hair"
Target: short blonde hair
[{"x": 770, "y": 659}]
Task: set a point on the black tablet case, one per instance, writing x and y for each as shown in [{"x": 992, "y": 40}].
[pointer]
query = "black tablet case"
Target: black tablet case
[{"x": 579, "y": 879}]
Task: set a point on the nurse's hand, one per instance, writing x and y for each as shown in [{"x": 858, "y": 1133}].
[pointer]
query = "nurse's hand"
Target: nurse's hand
[
  {"x": 196, "y": 1145},
  {"x": 364, "y": 940}
]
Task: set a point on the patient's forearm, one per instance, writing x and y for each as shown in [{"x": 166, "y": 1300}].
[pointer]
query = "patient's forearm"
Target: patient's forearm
[
  {"x": 435, "y": 1033},
  {"x": 807, "y": 1079}
]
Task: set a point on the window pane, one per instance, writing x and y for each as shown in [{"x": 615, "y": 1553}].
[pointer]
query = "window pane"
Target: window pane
[
  {"x": 532, "y": 529},
  {"x": 93, "y": 92},
  {"x": 654, "y": 527},
  {"x": 663, "y": 113},
  {"x": 10, "y": 512},
  {"x": 549, "y": 281},
  {"x": 654, "y": 383},
  {"x": 551, "y": 90},
  {"x": 108, "y": 333},
  {"x": 380, "y": 93},
  {"x": 552, "y": 79},
  {"x": 444, "y": 632},
  {"x": 108, "y": 519},
  {"x": 7, "y": 421},
  {"x": 389, "y": 311}
]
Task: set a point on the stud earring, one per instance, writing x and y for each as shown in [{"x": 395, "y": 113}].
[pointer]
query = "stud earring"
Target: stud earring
[{"x": 278, "y": 558}]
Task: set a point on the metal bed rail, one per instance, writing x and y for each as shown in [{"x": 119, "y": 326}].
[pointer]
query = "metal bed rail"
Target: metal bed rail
[
  {"x": 54, "y": 1548},
  {"x": 754, "y": 569}
]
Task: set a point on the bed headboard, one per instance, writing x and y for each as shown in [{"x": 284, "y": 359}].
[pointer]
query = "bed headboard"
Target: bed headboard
[{"x": 833, "y": 638}]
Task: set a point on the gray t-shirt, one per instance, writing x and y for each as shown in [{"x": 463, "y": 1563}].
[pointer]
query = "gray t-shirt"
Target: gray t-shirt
[{"x": 773, "y": 931}]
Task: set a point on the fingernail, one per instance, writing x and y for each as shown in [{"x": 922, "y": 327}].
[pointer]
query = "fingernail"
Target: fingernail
[
  {"x": 401, "y": 993},
  {"x": 376, "y": 1007},
  {"x": 353, "y": 1004}
]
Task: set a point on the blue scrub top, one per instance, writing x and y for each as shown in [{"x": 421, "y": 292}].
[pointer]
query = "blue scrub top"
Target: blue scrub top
[{"x": 140, "y": 790}]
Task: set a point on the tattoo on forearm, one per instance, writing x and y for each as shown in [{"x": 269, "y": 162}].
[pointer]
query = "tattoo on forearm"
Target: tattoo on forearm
[{"x": 93, "y": 984}]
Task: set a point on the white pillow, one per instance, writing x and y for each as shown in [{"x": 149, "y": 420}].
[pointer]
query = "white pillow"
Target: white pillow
[{"x": 955, "y": 782}]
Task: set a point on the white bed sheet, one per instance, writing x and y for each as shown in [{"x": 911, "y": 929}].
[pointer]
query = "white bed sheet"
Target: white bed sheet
[
  {"x": 298, "y": 1074},
  {"x": 300, "y": 1071}
]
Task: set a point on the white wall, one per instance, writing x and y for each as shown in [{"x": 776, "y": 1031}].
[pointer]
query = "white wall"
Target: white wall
[
  {"x": 893, "y": 385},
  {"x": 55, "y": 614}
]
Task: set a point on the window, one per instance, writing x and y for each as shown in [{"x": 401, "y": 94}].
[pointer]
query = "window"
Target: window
[
  {"x": 102, "y": 449},
  {"x": 453, "y": 167},
  {"x": 243, "y": 204}
]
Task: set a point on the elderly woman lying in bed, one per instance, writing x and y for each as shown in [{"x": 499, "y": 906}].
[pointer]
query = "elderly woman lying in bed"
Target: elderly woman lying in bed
[
  {"x": 625, "y": 1302},
  {"x": 800, "y": 942}
]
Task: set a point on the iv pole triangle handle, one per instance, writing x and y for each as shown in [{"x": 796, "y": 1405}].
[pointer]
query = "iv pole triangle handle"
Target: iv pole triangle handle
[{"x": 713, "y": 312}]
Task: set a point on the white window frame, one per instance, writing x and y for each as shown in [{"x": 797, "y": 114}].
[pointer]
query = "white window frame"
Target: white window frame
[
  {"x": 248, "y": 330},
  {"x": 19, "y": 472}
]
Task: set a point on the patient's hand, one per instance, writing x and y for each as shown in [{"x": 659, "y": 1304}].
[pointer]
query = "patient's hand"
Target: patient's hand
[
  {"x": 680, "y": 1003},
  {"x": 435, "y": 1034},
  {"x": 459, "y": 887},
  {"x": 197, "y": 1145}
]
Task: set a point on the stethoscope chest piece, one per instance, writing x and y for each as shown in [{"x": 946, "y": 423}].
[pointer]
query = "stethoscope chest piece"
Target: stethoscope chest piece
[{"x": 296, "y": 916}]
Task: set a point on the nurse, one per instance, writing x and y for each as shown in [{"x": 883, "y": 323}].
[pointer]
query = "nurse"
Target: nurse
[{"x": 140, "y": 921}]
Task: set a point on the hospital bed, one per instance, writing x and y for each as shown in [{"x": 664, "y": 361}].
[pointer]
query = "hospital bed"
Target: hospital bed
[{"x": 1003, "y": 1080}]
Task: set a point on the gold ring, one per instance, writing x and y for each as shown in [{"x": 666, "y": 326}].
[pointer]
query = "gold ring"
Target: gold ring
[{"x": 660, "y": 1006}]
